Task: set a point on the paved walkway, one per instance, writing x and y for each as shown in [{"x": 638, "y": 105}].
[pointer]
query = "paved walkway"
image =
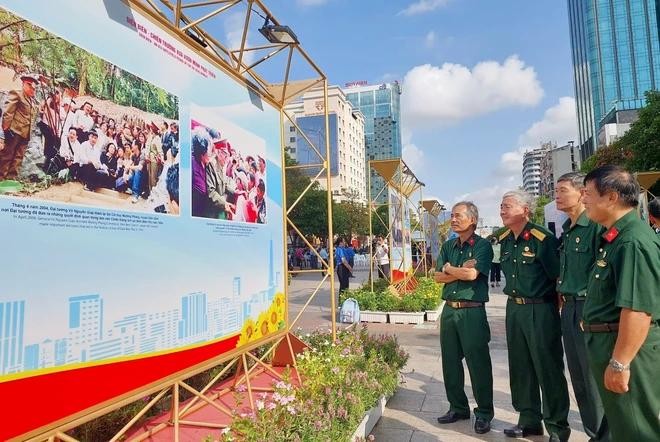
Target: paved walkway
[{"x": 411, "y": 413}]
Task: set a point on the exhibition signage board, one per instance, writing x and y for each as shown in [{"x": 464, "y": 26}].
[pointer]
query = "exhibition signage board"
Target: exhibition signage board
[
  {"x": 141, "y": 210},
  {"x": 401, "y": 250}
]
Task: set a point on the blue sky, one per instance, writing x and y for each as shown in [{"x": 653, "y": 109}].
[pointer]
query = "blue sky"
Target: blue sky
[{"x": 482, "y": 80}]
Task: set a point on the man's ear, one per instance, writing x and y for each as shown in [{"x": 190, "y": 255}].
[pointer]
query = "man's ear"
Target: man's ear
[{"x": 612, "y": 198}]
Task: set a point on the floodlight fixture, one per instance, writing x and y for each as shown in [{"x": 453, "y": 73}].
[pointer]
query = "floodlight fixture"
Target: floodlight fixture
[{"x": 278, "y": 33}]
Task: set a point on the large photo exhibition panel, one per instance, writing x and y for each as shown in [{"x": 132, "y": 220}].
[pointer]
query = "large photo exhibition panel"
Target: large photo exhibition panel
[{"x": 140, "y": 204}]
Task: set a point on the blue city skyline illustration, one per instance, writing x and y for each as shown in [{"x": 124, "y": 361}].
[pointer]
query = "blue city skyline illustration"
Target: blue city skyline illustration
[{"x": 198, "y": 319}]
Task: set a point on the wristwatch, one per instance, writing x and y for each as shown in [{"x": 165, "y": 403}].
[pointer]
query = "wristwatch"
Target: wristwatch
[{"x": 618, "y": 366}]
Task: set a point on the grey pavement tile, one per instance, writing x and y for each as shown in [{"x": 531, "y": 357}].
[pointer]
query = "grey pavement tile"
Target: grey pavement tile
[
  {"x": 435, "y": 404},
  {"x": 391, "y": 435},
  {"x": 406, "y": 400}
]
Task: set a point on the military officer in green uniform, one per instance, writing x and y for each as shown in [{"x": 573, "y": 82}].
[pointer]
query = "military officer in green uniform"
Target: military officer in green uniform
[
  {"x": 530, "y": 262},
  {"x": 621, "y": 315},
  {"x": 463, "y": 266},
  {"x": 579, "y": 242}
]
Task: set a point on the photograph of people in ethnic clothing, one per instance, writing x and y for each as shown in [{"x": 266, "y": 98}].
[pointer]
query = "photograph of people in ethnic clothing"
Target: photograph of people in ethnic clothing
[
  {"x": 228, "y": 174},
  {"x": 78, "y": 129}
]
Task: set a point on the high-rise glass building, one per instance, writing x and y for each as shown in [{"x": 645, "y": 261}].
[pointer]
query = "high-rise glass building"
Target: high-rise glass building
[
  {"x": 380, "y": 105},
  {"x": 616, "y": 59}
]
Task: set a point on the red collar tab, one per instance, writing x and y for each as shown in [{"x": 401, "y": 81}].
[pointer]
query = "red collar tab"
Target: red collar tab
[
  {"x": 526, "y": 235},
  {"x": 471, "y": 242},
  {"x": 611, "y": 234}
]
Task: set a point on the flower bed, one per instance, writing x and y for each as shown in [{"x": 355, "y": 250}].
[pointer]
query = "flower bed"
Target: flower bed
[
  {"x": 342, "y": 381},
  {"x": 381, "y": 303}
]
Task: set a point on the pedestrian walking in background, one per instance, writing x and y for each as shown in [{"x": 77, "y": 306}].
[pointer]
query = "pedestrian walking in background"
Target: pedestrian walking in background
[{"x": 495, "y": 268}]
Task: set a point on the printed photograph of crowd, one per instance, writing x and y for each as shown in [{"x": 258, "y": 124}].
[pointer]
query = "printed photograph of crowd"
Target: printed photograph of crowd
[
  {"x": 228, "y": 183},
  {"x": 80, "y": 130}
]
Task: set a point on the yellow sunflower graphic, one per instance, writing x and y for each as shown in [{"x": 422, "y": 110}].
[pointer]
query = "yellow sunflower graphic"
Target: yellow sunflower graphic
[
  {"x": 280, "y": 304},
  {"x": 247, "y": 332},
  {"x": 264, "y": 324}
]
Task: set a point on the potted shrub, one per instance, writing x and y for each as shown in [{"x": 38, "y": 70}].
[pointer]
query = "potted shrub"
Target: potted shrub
[
  {"x": 431, "y": 293},
  {"x": 370, "y": 307},
  {"x": 409, "y": 310}
]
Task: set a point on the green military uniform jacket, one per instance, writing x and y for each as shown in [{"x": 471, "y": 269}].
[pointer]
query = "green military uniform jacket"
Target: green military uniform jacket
[
  {"x": 577, "y": 254},
  {"x": 626, "y": 273},
  {"x": 455, "y": 253},
  {"x": 530, "y": 262}
]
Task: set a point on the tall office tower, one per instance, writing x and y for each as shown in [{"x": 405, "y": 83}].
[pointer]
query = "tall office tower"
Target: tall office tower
[
  {"x": 380, "y": 105},
  {"x": 616, "y": 59}
]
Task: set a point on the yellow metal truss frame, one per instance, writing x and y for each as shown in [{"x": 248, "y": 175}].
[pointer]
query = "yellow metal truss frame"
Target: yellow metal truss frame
[{"x": 398, "y": 176}]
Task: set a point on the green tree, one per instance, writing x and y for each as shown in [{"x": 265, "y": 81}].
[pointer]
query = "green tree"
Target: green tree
[
  {"x": 612, "y": 154},
  {"x": 538, "y": 216},
  {"x": 352, "y": 213},
  {"x": 310, "y": 214},
  {"x": 638, "y": 149},
  {"x": 380, "y": 221}
]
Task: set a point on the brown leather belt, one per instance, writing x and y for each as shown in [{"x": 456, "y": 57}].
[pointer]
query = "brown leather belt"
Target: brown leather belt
[
  {"x": 523, "y": 301},
  {"x": 570, "y": 298},
  {"x": 601, "y": 327},
  {"x": 464, "y": 304}
]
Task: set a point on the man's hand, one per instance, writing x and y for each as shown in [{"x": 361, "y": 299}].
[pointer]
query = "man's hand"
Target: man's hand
[
  {"x": 2, "y": 144},
  {"x": 470, "y": 264},
  {"x": 617, "y": 382}
]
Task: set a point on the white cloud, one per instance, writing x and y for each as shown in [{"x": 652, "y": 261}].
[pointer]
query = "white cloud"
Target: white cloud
[
  {"x": 423, "y": 6},
  {"x": 488, "y": 202},
  {"x": 559, "y": 124},
  {"x": 234, "y": 24},
  {"x": 305, "y": 3},
  {"x": 448, "y": 94},
  {"x": 414, "y": 157},
  {"x": 430, "y": 39}
]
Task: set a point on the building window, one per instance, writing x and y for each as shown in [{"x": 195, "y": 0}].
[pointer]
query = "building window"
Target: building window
[
  {"x": 292, "y": 128},
  {"x": 292, "y": 139}
]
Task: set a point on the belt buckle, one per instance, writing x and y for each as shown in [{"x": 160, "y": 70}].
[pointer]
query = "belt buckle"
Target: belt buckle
[
  {"x": 520, "y": 301},
  {"x": 582, "y": 325},
  {"x": 458, "y": 304}
]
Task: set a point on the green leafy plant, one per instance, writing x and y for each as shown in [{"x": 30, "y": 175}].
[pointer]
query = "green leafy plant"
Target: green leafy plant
[{"x": 342, "y": 379}]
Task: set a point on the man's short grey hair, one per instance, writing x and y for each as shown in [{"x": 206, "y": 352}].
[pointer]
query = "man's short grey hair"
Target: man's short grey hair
[
  {"x": 575, "y": 178},
  {"x": 471, "y": 210},
  {"x": 524, "y": 199}
]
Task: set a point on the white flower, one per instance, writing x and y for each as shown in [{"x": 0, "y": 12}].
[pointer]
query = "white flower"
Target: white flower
[
  {"x": 260, "y": 405},
  {"x": 225, "y": 430}
]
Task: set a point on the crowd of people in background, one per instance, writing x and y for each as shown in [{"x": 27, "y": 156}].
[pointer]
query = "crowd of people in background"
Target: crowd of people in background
[{"x": 226, "y": 184}]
